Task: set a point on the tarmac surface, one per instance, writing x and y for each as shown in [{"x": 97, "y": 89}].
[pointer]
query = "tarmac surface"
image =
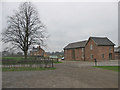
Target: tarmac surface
[{"x": 72, "y": 74}]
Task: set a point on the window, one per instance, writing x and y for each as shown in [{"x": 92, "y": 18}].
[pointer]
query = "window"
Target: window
[
  {"x": 91, "y": 56},
  {"x": 91, "y": 47},
  {"x": 103, "y": 56},
  {"x": 110, "y": 48}
]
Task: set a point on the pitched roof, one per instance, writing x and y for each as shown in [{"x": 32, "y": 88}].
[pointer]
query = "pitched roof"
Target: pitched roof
[
  {"x": 76, "y": 45},
  {"x": 36, "y": 49},
  {"x": 102, "y": 41}
]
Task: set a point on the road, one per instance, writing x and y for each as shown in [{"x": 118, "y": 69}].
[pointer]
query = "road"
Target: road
[{"x": 66, "y": 75}]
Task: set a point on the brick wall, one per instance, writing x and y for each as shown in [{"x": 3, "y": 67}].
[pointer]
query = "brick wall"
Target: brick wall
[
  {"x": 98, "y": 52},
  {"x": 89, "y": 52},
  {"x": 68, "y": 54},
  {"x": 106, "y": 50},
  {"x": 79, "y": 54},
  {"x": 37, "y": 53}
]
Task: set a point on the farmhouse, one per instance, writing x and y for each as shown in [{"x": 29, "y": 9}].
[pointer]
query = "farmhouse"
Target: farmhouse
[
  {"x": 100, "y": 48},
  {"x": 37, "y": 52}
]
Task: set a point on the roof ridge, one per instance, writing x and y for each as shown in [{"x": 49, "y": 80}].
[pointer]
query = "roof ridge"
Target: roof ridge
[
  {"x": 103, "y": 39},
  {"x": 79, "y": 41},
  {"x": 98, "y": 37}
]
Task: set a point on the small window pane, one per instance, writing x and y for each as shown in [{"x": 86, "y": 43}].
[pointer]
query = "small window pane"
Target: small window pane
[
  {"x": 91, "y": 47},
  {"x": 102, "y": 55},
  {"x": 91, "y": 56}
]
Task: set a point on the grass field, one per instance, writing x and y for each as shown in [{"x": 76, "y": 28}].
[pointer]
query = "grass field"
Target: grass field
[
  {"x": 26, "y": 69},
  {"x": 113, "y": 68}
]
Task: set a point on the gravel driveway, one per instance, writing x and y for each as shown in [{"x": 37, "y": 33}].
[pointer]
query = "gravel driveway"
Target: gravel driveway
[{"x": 67, "y": 75}]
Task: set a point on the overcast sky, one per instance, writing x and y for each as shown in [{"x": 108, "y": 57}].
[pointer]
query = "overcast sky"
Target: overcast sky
[{"x": 72, "y": 21}]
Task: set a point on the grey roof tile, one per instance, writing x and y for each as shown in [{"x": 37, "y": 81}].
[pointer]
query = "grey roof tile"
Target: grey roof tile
[
  {"x": 76, "y": 45},
  {"x": 102, "y": 41}
]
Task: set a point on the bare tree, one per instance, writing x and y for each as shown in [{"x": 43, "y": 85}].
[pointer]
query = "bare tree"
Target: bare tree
[{"x": 24, "y": 28}]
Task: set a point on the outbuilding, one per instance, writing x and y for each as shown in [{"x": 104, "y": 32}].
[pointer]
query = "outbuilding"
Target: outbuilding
[{"x": 99, "y": 48}]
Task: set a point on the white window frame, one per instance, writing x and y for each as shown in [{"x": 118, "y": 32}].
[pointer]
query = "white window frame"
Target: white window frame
[{"x": 91, "y": 47}]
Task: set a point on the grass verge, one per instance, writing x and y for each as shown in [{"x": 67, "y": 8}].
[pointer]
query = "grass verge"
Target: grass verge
[
  {"x": 113, "y": 68},
  {"x": 57, "y": 62},
  {"x": 26, "y": 69}
]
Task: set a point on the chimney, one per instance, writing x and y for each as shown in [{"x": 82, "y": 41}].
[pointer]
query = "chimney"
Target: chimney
[
  {"x": 33, "y": 47},
  {"x": 39, "y": 47}
]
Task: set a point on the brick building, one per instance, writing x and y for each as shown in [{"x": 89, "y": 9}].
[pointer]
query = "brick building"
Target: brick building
[
  {"x": 75, "y": 51},
  {"x": 37, "y": 52},
  {"x": 100, "y": 48}
]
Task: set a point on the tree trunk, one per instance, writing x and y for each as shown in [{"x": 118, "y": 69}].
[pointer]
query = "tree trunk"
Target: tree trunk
[{"x": 25, "y": 54}]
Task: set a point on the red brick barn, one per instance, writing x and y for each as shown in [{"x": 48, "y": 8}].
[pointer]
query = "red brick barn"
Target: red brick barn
[
  {"x": 37, "y": 52},
  {"x": 75, "y": 51},
  {"x": 100, "y": 48}
]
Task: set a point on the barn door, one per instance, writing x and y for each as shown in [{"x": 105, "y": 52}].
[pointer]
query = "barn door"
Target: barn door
[
  {"x": 73, "y": 54},
  {"x": 110, "y": 56}
]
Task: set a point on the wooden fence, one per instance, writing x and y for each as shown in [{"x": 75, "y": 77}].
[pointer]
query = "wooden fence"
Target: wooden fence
[{"x": 36, "y": 62}]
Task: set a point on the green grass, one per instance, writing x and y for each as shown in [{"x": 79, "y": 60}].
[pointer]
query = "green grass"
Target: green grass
[
  {"x": 57, "y": 62},
  {"x": 113, "y": 68},
  {"x": 26, "y": 69}
]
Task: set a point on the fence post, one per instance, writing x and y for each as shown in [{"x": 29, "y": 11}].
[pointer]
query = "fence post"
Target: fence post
[
  {"x": 57, "y": 59},
  {"x": 95, "y": 62}
]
